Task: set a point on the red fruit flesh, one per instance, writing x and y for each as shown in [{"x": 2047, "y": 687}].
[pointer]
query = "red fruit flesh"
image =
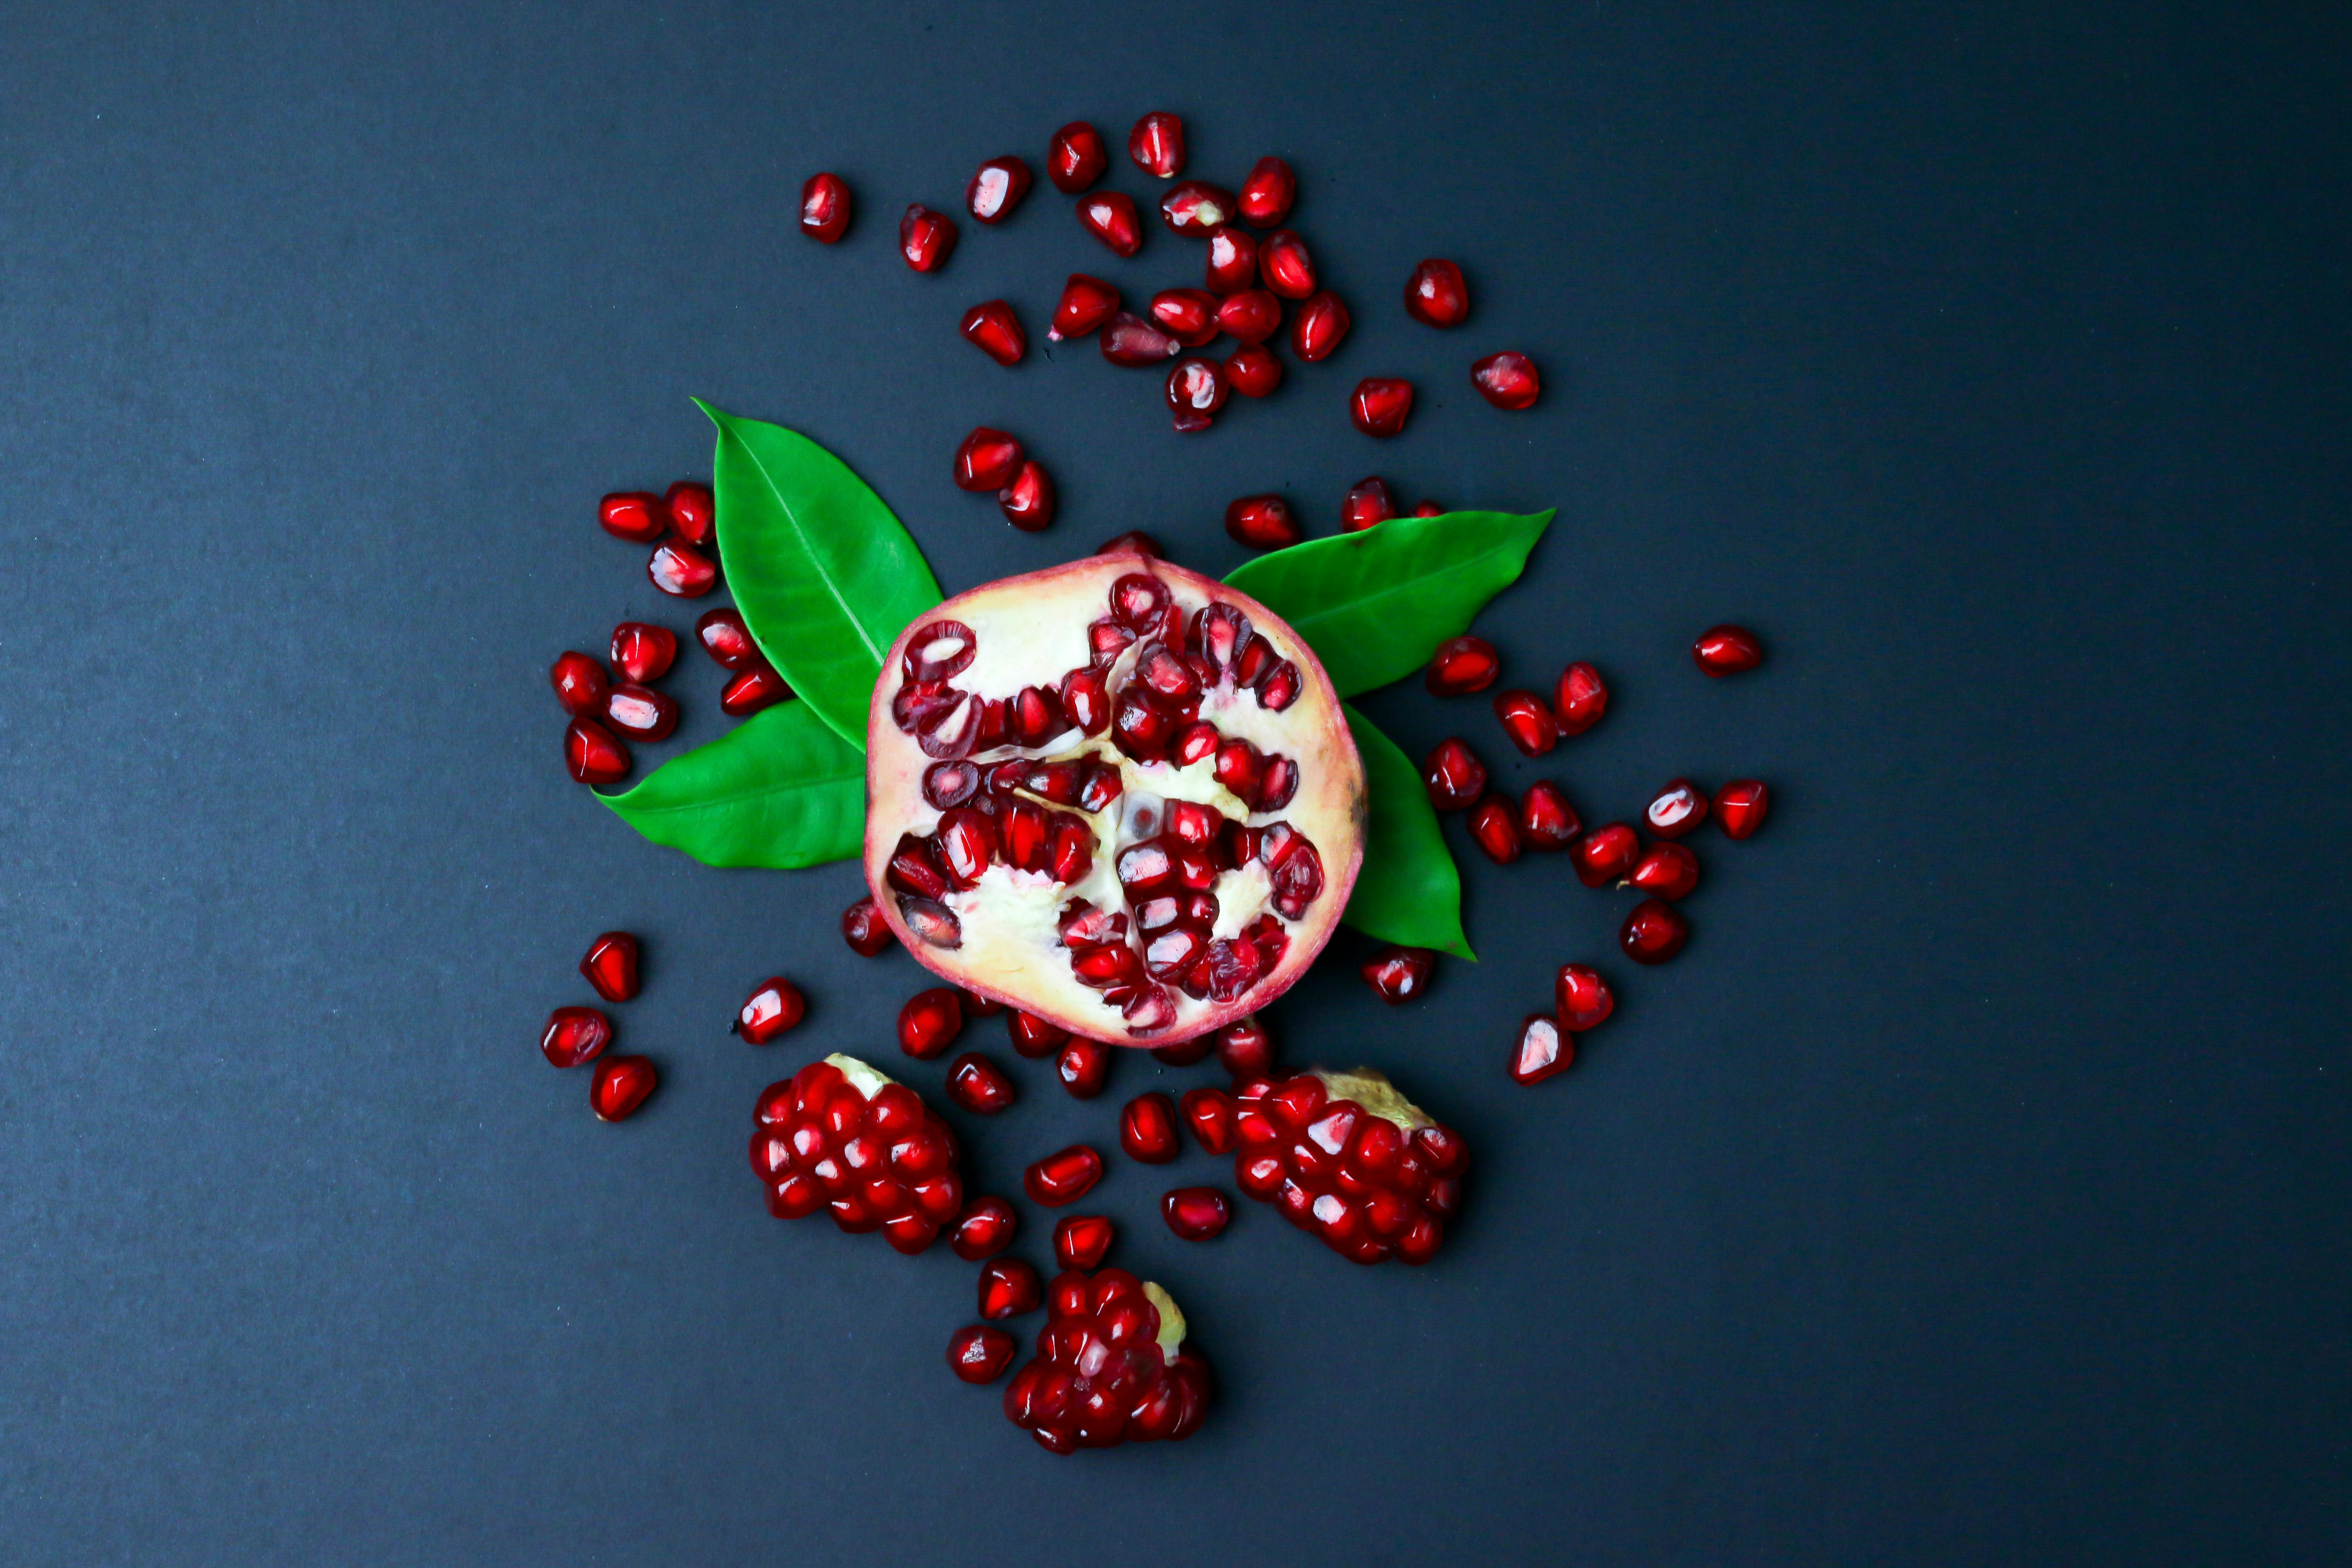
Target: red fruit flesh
[
  {"x": 1109, "y": 216},
  {"x": 1605, "y": 854},
  {"x": 1112, "y": 1367},
  {"x": 839, "y": 1136},
  {"x": 642, "y": 652},
  {"x": 1249, "y": 317},
  {"x": 1727, "y": 650},
  {"x": 579, "y": 682},
  {"x": 1493, "y": 822},
  {"x": 996, "y": 331},
  {"x": 1380, "y": 405},
  {"x": 1345, "y": 1156},
  {"x": 1244, "y": 1049},
  {"x": 1085, "y": 303},
  {"x": 1740, "y": 807},
  {"x": 1319, "y": 328},
  {"x": 978, "y": 1085},
  {"x": 1209, "y": 1112},
  {"x": 1678, "y": 808},
  {"x": 986, "y": 461},
  {"x": 1262, "y": 523},
  {"x": 752, "y": 689},
  {"x": 633, "y": 515},
  {"x": 1653, "y": 932},
  {"x": 610, "y": 966},
  {"x": 1427, "y": 509},
  {"x": 1028, "y": 502},
  {"x": 1075, "y": 158},
  {"x": 1196, "y": 390},
  {"x": 1157, "y": 145},
  {"x": 1130, "y": 341},
  {"x": 1188, "y": 315},
  {"x": 1254, "y": 372},
  {"x": 1547, "y": 821},
  {"x": 1233, "y": 261},
  {"x": 925, "y": 238},
  {"x": 1034, "y": 1036},
  {"x": 682, "y": 570},
  {"x": 1008, "y": 1288},
  {"x": 1369, "y": 501},
  {"x": 983, "y": 1230},
  {"x": 1460, "y": 664},
  {"x": 1580, "y": 700},
  {"x": 864, "y": 929},
  {"x": 1668, "y": 871},
  {"x": 1196, "y": 1214},
  {"x": 1285, "y": 266},
  {"x": 593, "y": 754},
  {"x": 996, "y": 188},
  {"x": 929, "y": 1021},
  {"x": 1398, "y": 974},
  {"x": 1528, "y": 719},
  {"x": 1506, "y": 379},
  {"x": 1197, "y": 208},
  {"x": 774, "y": 1007},
  {"x": 1435, "y": 295},
  {"x": 1083, "y": 1066},
  {"x": 575, "y": 1034},
  {"x": 1455, "y": 776},
  {"x": 1064, "y": 1177},
  {"x": 692, "y": 511},
  {"x": 641, "y": 714},
  {"x": 621, "y": 1084},
  {"x": 1147, "y": 1129},
  {"x": 1543, "y": 1049},
  {"x": 1581, "y": 998},
  {"x": 725, "y": 637},
  {"x": 1266, "y": 194},
  {"x": 825, "y": 208},
  {"x": 980, "y": 1353},
  {"x": 1083, "y": 1240}
]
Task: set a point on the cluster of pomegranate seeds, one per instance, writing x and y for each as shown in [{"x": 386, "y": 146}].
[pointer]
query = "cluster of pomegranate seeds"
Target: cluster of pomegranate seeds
[
  {"x": 1083, "y": 1240},
  {"x": 839, "y": 1136},
  {"x": 1111, "y": 1367},
  {"x": 989, "y": 459},
  {"x": 1342, "y": 1155},
  {"x": 574, "y": 1037}
]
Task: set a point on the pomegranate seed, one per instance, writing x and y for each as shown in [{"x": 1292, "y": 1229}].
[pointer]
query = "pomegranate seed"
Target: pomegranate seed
[
  {"x": 1546, "y": 819},
  {"x": 976, "y": 1005},
  {"x": 1740, "y": 807},
  {"x": 1195, "y": 1049},
  {"x": 1254, "y": 372},
  {"x": 593, "y": 754},
  {"x": 978, "y": 1085},
  {"x": 1196, "y": 390},
  {"x": 1653, "y": 932},
  {"x": 1542, "y": 1050},
  {"x": 1605, "y": 854},
  {"x": 726, "y": 638},
  {"x": 773, "y": 1008},
  {"x": 987, "y": 460},
  {"x": 1581, "y": 998},
  {"x": 575, "y": 1034},
  {"x": 635, "y": 516},
  {"x": 1083, "y": 1066},
  {"x": 1435, "y": 295},
  {"x": 579, "y": 682},
  {"x": 825, "y": 208},
  {"x": 1317, "y": 329},
  {"x": 996, "y": 188},
  {"x": 1196, "y": 1214},
  {"x": 1455, "y": 776},
  {"x": 1249, "y": 317},
  {"x": 1380, "y": 405},
  {"x": 1398, "y": 974},
  {"x": 1369, "y": 501},
  {"x": 1064, "y": 1177},
  {"x": 1268, "y": 192},
  {"x": 1075, "y": 158},
  {"x": 1031, "y": 1036},
  {"x": 864, "y": 929},
  {"x": 621, "y": 1084},
  {"x": 1493, "y": 822},
  {"x": 1505, "y": 380},
  {"x": 929, "y": 1021},
  {"x": 925, "y": 238},
  {"x": 1262, "y": 523},
  {"x": 1427, "y": 509},
  {"x": 1581, "y": 700},
  {"x": 1157, "y": 144},
  {"x": 1109, "y": 216},
  {"x": 1244, "y": 1049},
  {"x": 1529, "y": 721},
  {"x": 1678, "y": 808},
  {"x": 1233, "y": 261},
  {"x": 1008, "y": 1288},
  {"x": 1667, "y": 871},
  {"x": 1128, "y": 339},
  {"x": 1134, "y": 541},
  {"x": 1209, "y": 1112},
  {"x": 681, "y": 570},
  {"x": 980, "y": 1353},
  {"x": 1284, "y": 265},
  {"x": 1195, "y": 208},
  {"x": 692, "y": 511},
  {"x": 642, "y": 652},
  {"x": 1727, "y": 650},
  {"x": 752, "y": 690},
  {"x": 1460, "y": 664},
  {"x": 996, "y": 331},
  {"x": 1188, "y": 315},
  {"x": 985, "y": 1229},
  {"x": 641, "y": 714},
  {"x": 1028, "y": 502},
  {"x": 1083, "y": 1240},
  {"x": 1085, "y": 303},
  {"x": 1147, "y": 1129}
]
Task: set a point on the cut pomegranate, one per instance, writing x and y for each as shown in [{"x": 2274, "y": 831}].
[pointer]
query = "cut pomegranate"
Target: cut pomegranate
[
  {"x": 1244, "y": 1049},
  {"x": 1653, "y": 932},
  {"x": 1398, "y": 974},
  {"x": 930, "y": 1021},
  {"x": 1605, "y": 854},
  {"x": 1109, "y": 216},
  {"x": 1254, "y": 372},
  {"x": 983, "y": 1230},
  {"x": 640, "y": 712},
  {"x": 680, "y": 569},
  {"x": 642, "y": 652},
  {"x": 1493, "y": 822},
  {"x": 1196, "y": 390},
  {"x": 980, "y": 1353},
  {"x": 1262, "y": 523},
  {"x": 1344, "y": 1155},
  {"x": 621, "y": 1084},
  {"x": 1543, "y": 1050},
  {"x": 987, "y": 460},
  {"x": 925, "y": 238},
  {"x": 726, "y": 638},
  {"x": 1740, "y": 807},
  {"x": 1085, "y": 303},
  {"x": 610, "y": 966},
  {"x": 593, "y": 754},
  {"x": 978, "y": 1085},
  {"x": 1249, "y": 317},
  {"x": 1369, "y": 501},
  {"x": 1506, "y": 379},
  {"x": 575, "y": 1034},
  {"x": 1112, "y": 1367},
  {"x": 825, "y": 208},
  {"x": 1034, "y": 1036},
  {"x": 775, "y": 1006},
  {"x": 1188, "y": 315},
  {"x": 1128, "y": 339},
  {"x": 1209, "y": 1112},
  {"x": 1233, "y": 261},
  {"x": 1147, "y": 1129},
  {"x": 1581, "y": 700},
  {"x": 838, "y": 1135},
  {"x": 1064, "y": 1177},
  {"x": 1083, "y": 1240},
  {"x": 1667, "y": 871},
  {"x": 1157, "y": 144},
  {"x": 752, "y": 690},
  {"x": 1008, "y": 1288},
  {"x": 1196, "y": 1214},
  {"x": 1380, "y": 405},
  {"x": 1083, "y": 1065},
  {"x": 864, "y": 929},
  {"x": 1319, "y": 328},
  {"x": 1268, "y": 192},
  {"x": 633, "y": 515},
  {"x": 1460, "y": 664},
  {"x": 1284, "y": 265},
  {"x": 1075, "y": 158},
  {"x": 996, "y": 331},
  {"x": 1727, "y": 650},
  {"x": 1196, "y": 208},
  {"x": 1678, "y": 808},
  {"x": 1028, "y": 502},
  {"x": 1581, "y": 998},
  {"x": 1455, "y": 777},
  {"x": 1547, "y": 821},
  {"x": 694, "y": 512},
  {"x": 579, "y": 682},
  {"x": 996, "y": 188},
  {"x": 1436, "y": 294}
]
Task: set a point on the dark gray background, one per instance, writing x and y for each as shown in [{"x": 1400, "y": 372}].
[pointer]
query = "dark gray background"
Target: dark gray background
[{"x": 1972, "y": 1190}]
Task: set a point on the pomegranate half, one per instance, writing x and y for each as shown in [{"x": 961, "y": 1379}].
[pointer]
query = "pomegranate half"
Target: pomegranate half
[{"x": 1115, "y": 794}]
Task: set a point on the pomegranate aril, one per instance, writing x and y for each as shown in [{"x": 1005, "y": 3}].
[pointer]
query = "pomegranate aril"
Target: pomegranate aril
[
  {"x": 1249, "y": 317},
  {"x": 1074, "y": 851},
  {"x": 640, "y": 712},
  {"x": 1034, "y": 1036},
  {"x": 1427, "y": 509},
  {"x": 573, "y": 1035},
  {"x": 1075, "y": 158},
  {"x": 929, "y": 1021},
  {"x": 1369, "y": 502},
  {"x": 985, "y": 1229},
  {"x": 1086, "y": 700},
  {"x": 681, "y": 570},
  {"x": 610, "y": 967},
  {"x": 1380, "y": 405},
  {"x": 825, "y": 208},
  {"x": 1542, "y": 1052},
  {"x": 1083, "y": 1066},
  {"x": 1506, "y": 379},
  {"x": 1266, "y": 194},
  {"x": 864, "y": 929},
  {"x": 579, "y": 682},
  {"x": 1083, "y": 1240},
  {"x": 934, "y": 922},
  {"x": 979, "y": 1353},
  {"x": 621, "y": 1084},
  {"x": 752, "y": 689},
  {"x": 1241, "y": 768},
  {"x": 633, "y": 515},
  {"x": 1677, "y": 809},
  {"x": 1130, "y": 341},
  {"x": 1581, "y": 998},
  {"x": 1196, "y": 207},
  {"x": 1233, "y": 261},
  {"x": 773, "y": 1008},
  {"x": 1285, "y": 265},
  {"x": 1110, "y": 217},
  {"x": 1461, "y": 665},
  {"x": 1581, "y": 698},
  {"x": 963, "y": 845},
  {"x": 976, "y": 1005},
  {"x": 1280, "y": 785},
  {"x": 1493, "y": 822},
  {"x": 947, "y": 785},
  {"x": 1546, "y": 819},
  {"x": 1244, "y": 1049},
  {"x": 1186, "y": 1054},
  {"x": 1134, "y": 541},
  {"x": 592, "y": 753},
  {"x": 996, "y": 331},
  {"x": 1086, "y": 303},
  {"x": 1064, "y": 1177},
  {"x": 1209, "y": 1112},
  {"x": 695, "y": 514},
  {"x": 643, "y": 653},
  {"x": 1668, "y": 871},
  {"x": 1319, "y": 328},
  {"x": 1436, "y": 294},
  {"x": 1196, "y": 390},
  {"x": 1740, "y": 807},
  {"x": 1157, "y": 144},
  {"x": 978, "y": 1085},
  {"x": 1727, "y": 650},
  {"x": 1253, "y": 372},
  {"x": 725, "y": 637},
  {"x": 1008, "y": 1288},
  {"x": 1147, "y": 1129},
  {"x": 1188, "y": 315},
  {"x": 1197, "y": 742},
  {"x": 925, "y": 238},
  {"x": 986, "y": 461},
  {"x": 996, "y": 188},
  {"x": 1528, "y": 719},
  {"x": 1455, "y": 776},
  {"x": 1653, "y": 932},
  {"x": 1605, "y": 854},
  {"x": 1196, "y": 1214},
  {"x": 1398, "y": 974}
]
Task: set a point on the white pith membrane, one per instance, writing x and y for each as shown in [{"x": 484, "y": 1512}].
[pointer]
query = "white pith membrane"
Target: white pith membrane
[
  {"x": 1005, "y": 936},
  {"x": 1371, "y": 1089}
]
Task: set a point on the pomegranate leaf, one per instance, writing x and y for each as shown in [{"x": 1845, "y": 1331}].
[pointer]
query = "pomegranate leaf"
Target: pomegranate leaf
[
  {"x": 778, "y": 789},
  {"x": 825, "y": 576},
  {"x": 1408, "y": 892},
  {"x": 1375, "y": 605}
]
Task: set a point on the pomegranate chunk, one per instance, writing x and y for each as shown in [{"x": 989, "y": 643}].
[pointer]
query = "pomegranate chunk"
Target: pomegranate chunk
[
  {"x": 825, "y": 208},
  {"x": 1147, "y": 1129},
  {"x": 610, "y": 966},
  {"x": 1581, "y": 998},
  {"x": 1398, "y": 974},
  {"x": 1317, "y": 329},
  {"x": 925, "y": 238},
  {"x": 1085, "y": 303},
  {"x": 983, "y": 1230},
  {"x": 980, "y": 1353},
  {"x": 1460, "y": 664},
  {"x": 682, "y": 570},
  {"x": 725, "y": 637},
  {"x": 1653, "y": 932},
  {"x": 1369, "y": 502},
  {"x": 987, "y": 460},
  {"x": 1345, "y": 1156},
  {"x": 1285, "y": 265},
  {"x": 591, "y": 753},
  {"x": 1110, "y": 217},
  {"x": 1547, "y": 821},
  {"x": 1262, "y": 523},
  {"x": 1380, "y": 407},
  {"x": 642, "y": 652},
  {"x": 1157, "y": 144},
  {"x": 621, "y": 1084},
  {"x": 996, "y": 188},
  {"x": 1455, "y": 777},
  {"x": 1196, "y": 208},
  {"x": 1678, "y": 808},
  {"x": 1196, "y": 1214},
  {"x": 1064, "y": 1177},
  {"x": 1112, "y": 1367},
  {"x": 633, "y": 515},
  {"x": 1075, "y": 158},
  {"x": 774, "y": 1007},
  {"x": 839, "y": 1136},
  {"x": 579, "y": 682},
  {"x": 1435, "y": 295},
  {"x": 1727, "y": 650},
  {"x": 574, "y": 1035},
  {"x": 1268, "y": 192},
  {"x": 1254, "y": 372},
  {"x": 1581, "y": 700},
  {"x": 1605, "y": 854},
  {"x": 1668, "y": 871},
  {"x": 863, "y": 928},
  {"x": 1506, "y": 379},
  {"x": 1543, "y": 1049},
  {"x": 1028, "y": 502},
  {"x": 1233, "y": 261},
  {"x": 996, "y": 331},
  {"x": 978, "y": 1085},
  {"x": 1493, "y": 822},
  {"x": 1740, "y": 807},
  {"x": 929, "y": 1021}
]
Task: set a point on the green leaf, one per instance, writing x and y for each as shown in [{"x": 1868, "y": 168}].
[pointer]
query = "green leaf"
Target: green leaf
[
  {"x": 825, "y": 576},
  {"x": 1409, "y": 891},
  {"x": 780, "y": 790},
  {"x": 1374, "y": 605}
]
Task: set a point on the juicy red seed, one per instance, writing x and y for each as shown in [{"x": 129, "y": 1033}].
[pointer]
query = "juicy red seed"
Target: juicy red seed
[
  {"x": 1086, "y": 700},
  {"x": 1668, "y": 871},
  {"x": 579, "y": 682},
  {"x": 1130, "y": 341},
  {"x": 1369, "y": 501},
  {"x": 1581, "y": 698},
  {"x": 1380, "y": 405},
  {"x": 1653, "y": 932},
  {"x": 1034, "y": 1036},
  {"x": 996, "y": 188},
  {"x": 752, "y": 689},
  {"x": 1317, "y": 329},
  {"x": 1461, "y": 665},
  {"x": 610, "y": 966},
  {"x": 1727, "y": 650},
  {"x": 1581, "y": 998},
  {"x": 1244, "y": 1049},
  {"x": 1546, "y": 819},
  {"x": 825, "y": 208},
  {"x": 621, "y": 1084},
  {"x": 1075, "y": 158},
  {"x": 1528, "y": 719},
  {"x": 1398, "y": 974},
  {"x": 1157, "y": 144},
  {"x": 1134, "y": 541},
  {"x": 1085, "y": 303},
  {"x": 1436, "y": 294},
  {"x": 979, "y": 1355},
  {"x": 1250, "y": 317},
  {"x": 1081, "y": 1240},
  {"x": 1240, "y": 768},
  {"x": 996, "y": 331},
  {"x": 633, "y": 515},
  {"x": 1280, "y": 785},
  {"x": 640, "y": 712},
  {"x": 1605, "y": 854},
  {"x": 986, "y": 461},
  {"x": 1209, "y": 1112},
  {"x": 643, "y": 653},
  {"x": 984, "y": 1230},
  {"x": 925, "y": 238},
  {"x": 725, "y": 637},
  {"x": 680, "y": 569},
  {"x": 1427, "y": 509},
  {"x": 1063, "y": 1177},
  {"x": 1233, "y": 261},
  {"x": 864, "y": 929},
  {"x": 1254, "y": 372},
  {"x": 1008, "y": 1288},
  {"x": 947, "y": 785},
  {"x": 1195, "y": 1049},
  {"x": 932, "y": 921},
  {"x": 1083, "y": 1066},
  {"x": 1147, "y": 1129},
  {"x": 1678, "y": 808},
  {"x": 575, "y": 1034},
  {"x": 1285, "y": 265},
  {"x": 965, "y": 843},
  {"x": 1196, "y": 390},
  {"x": 592, "y": 753},
  {"x": 1197, "y": 742},
  {"x": 930, "y": 1021},
  {"x": 1455, "y": 776},
  {"x": 693, "y": 512},
  {"x": 1219, "y": 630},
  {"x": 1506, "y": 379},
  {"x": 1196, "y": 1214},
  {"x": 1493, "y": 822},
  {"x": 1188, "y": 315},
  {"x": 976, "y": 1005},
  {"x": 1277, "y": 689},
  {"x": 1268, "y": 192},
  {"x": 1543, "y": 1049},
  {"x": 978, "y": 1085},
  {"x": 1196, "y": 207},
  {"x": 773, "y": 1008},
  {"x": 1110, "y": 217},
  {"x": 1740, "y": 807}
]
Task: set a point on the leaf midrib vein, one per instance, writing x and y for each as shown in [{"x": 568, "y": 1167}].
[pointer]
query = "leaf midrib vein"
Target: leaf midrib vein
[{"x": 823, "y": 572}]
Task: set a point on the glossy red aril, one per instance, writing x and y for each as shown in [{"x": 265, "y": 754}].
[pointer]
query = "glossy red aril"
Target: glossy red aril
[
  {"x": 1398, "y": 974},
  {"x": 1380, "y": 405},
  {"x": 979, "y": 1353},
  {"x": 1188, "y": 315},
  {"x": 824, "y": 207},
  {"x": 1110, "y": 217},
  {"x": 1085, "y": 303},
  {"x": 680, "y": 569},
  {"x": 1196, "y": 1214},
  {"x": 996, "y": 188},
  {"x": 925, "y": 238},
  {"x": 996, "y": 331},
  {"x": 1528, "y": 719},
  {"x": 1506, "y": 379},
  {"x": 1063, "y": 1177},
  {"x": 987, "y": 460},
  {"x": 1495, "y": 824},
  {"x": 1581, "y": 998},
  {"x": 1461, "y": 665},
  {"x": 1455, "y": 776},
  {"x": 1547, "y": 821},
  {"x": 579, "y": 682},
  {"x": 1147, "y": 1129},
  {"x": 1346, "y": 1157},
  {"x": 978, "y": 1085},
  {"x": 1427, "y": 509},
  {"x": 1075, "y": 158},
  {"x": 1209, "y": 1112},
  {"x": 725, "y": 637},
  {"x": 1233, "y": 261},
  {"x": 621, "y": 1084},
  {"x": 1244, "y": 1049},
  {"x": 1605, "y": 854},
  {"x": 1727, "y": 650},
  {"x": 1677, "y": 809},
  {"x": 1667, "y": 871},
  {"x": 633, "y": 515},
  {"x": 1543, "y": 1049},
  {"x": 1266, "y": 194},
  {"x": 1034, "y": 1036},
  {"x": 1008, "y": 1288},
  {"x": 1196, "y": 208},
  {"x": 976, "y": 1005},
  {"x": 774, "y": 1007},
  {"x": 1653, "y": 932},
  {"x": 640, "y": 712},
  {"x": 752, "y": 690},
  {"x": 1285, "y": 266},
  {"x": 1185, "y": 1054},
  {"x": 929, "y": 1021},
  {"x": 983, "y": 1230},
  {"x": 1249, "y": 317},
  {"x": 1317, "y": 331},
  {"x": 1580, "y": 700},
  {"x": 1196, "y": 390},
  {"x": 1254, "y": 372},
  {"x": 1083, "y": 1240},
  {"x": 864, "y": 929},
  {"x": 693, "y": 511},
  {"x": 1262, "y": 523},
  {"x": 575, "y": 1034},
  {"x": 1027, "y": 502},
  {"x": 1369, "y": 502},
  {"x": 1436, "y": 294},
  {"x": 594, "y": 754},
  {"x": 642, "y": 652},
  {"x": 1128, "y": 339},
  {"x": 841, "y": 1137},
  {"x": 1157, "y": 144},
  {"x": 1083, "y": 1066},
  {"x": 1112, "y": 1366},
  {"x": 1740, "y": 807}
]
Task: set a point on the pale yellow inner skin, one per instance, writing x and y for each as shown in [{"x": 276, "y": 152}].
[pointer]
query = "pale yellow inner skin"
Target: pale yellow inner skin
[
  {"x": 1372, "y": 1090},
  {"x": 867, "y": 1080},
  {"x": 1172, "y": 1322}
]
